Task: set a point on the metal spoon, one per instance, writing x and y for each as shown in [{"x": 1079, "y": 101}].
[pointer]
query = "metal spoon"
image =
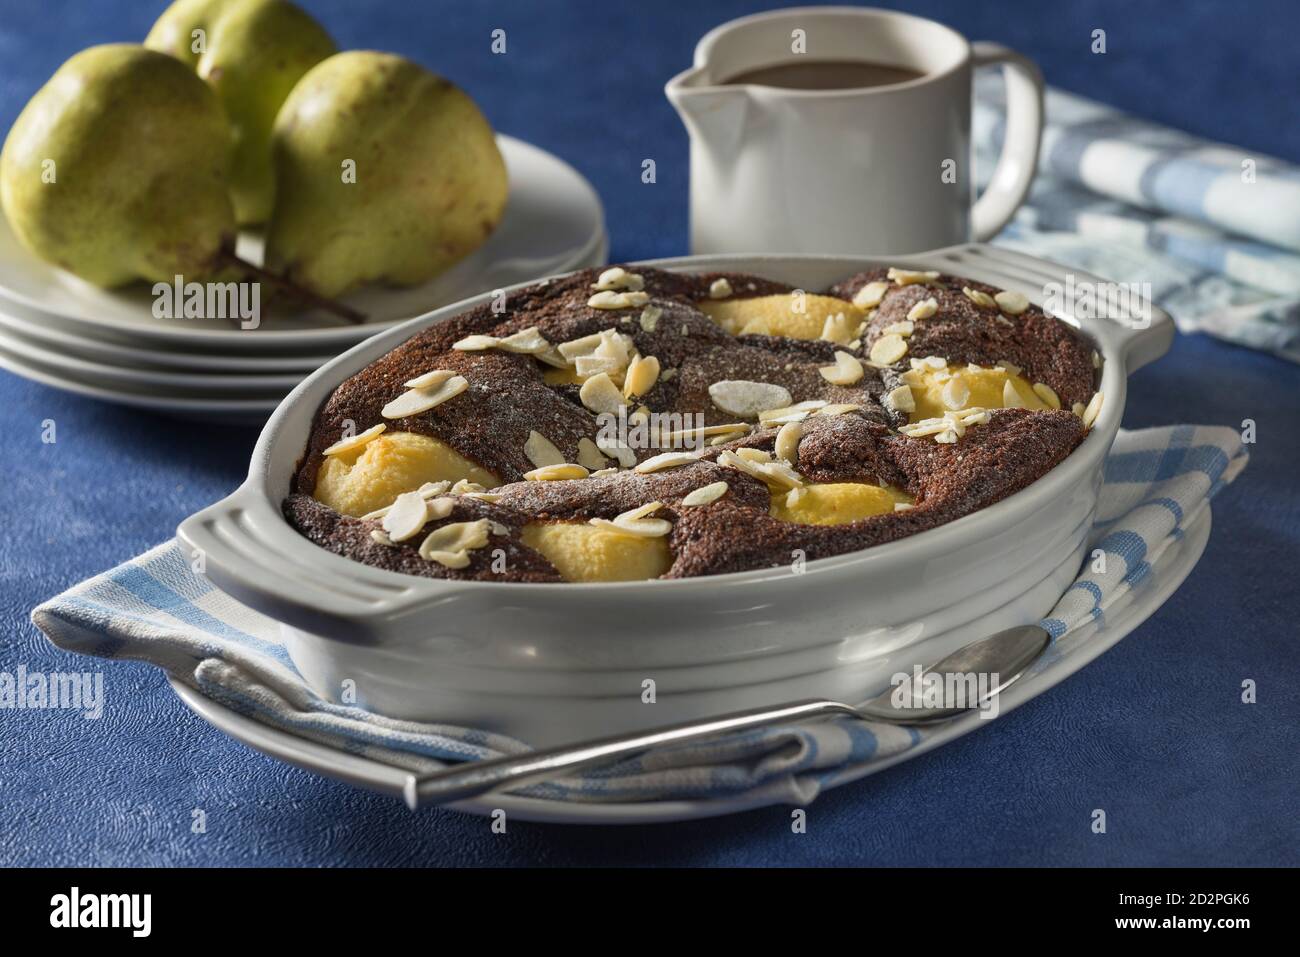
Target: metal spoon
[{"x": 1006, "y": 654}]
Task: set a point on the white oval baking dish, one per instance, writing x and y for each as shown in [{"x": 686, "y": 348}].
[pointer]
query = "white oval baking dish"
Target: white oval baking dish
[{"x": 549, "y": 663}]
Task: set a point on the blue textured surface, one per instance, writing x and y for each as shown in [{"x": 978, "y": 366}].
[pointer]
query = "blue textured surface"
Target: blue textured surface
[{"x": 1153, "y": 732}]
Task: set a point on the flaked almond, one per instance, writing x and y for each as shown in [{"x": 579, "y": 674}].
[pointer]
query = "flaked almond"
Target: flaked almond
[
  {"x": 617, "y": 450},
  {"x": 677, "y": 436},
  {"x": 450, "y": 544},
  {"x": 635, "y": 522},
  {"x": 358, "y": 441},
  {"x": 1011, "y": 396},
  {"x": 720, "y": 289},
  {"x": 777, "y": 474},
  {"x": 641, "y": 376},
  {"x": 791, "y": 413},
  {"x": 588, "y": 366},
  {"x": 615, "y": 345},
  {"x": 754, "y": 455},
  {"x": 706, "y": 494},
  {"x": 838, "y": 408},
  {"x": 407, "y": 515},
  {"x": 870, "y": 295},
  {"x": 379, "y": 538},
  {"x": 904, "y": 328},
  {"x": 1047, "y": 394},
  {"x": 428, "y": 490},
  {"x": 955, "y": 394},
  {"x": 949, "y": 428},
  {"x": 616, "y": 277},
  {"x": 909, "y": 277},
  {"x": 422, "y": 400},
  {"x": 430, "y": 380},
  {"x": 839, "y": 329},
  {"x": 580, "y": 347},
  {"x": 650, "y": 318},
  {"x": 609, "y": 299},
  {"x": 787, "y": 442},
  {"x": 924, "y": 428},
  {"x": 475, "y": 343},
  {"x": 1011, "y": 302},
  {"x": 524, "y": 342},
  {"x": 564, "y": 471},
  {"x": 666, "y": 460},
  {"x": 553, "y": 358},
  {"x": 645, "y": 528},
  {"x": 847, "y": 369},
  {"x": 747, "y": 399},
  {"x": 441, "y": 507},
  {"x": 979, "y": 297},
  {"x": 1092, "y": 410},
  {"x": 638, "y": 513},
  {"x": 901, "y": 399},
  {"x": 446, "y": 559},
  {"x": 888, "y": 349},
  {"x": 924, "y": 309},
  {"x": 589, "y": 456},
  {"x": 541, "y": 451},
  {"x": 600, "y": 395}
]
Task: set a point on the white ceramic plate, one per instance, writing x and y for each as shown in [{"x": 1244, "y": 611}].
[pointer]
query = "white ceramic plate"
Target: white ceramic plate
[
  {"x": 553, "y": 223},
  {"x": 1075, "y": 651},
  {"x": 163, "y": 382},
  {"x": 243, "y": 411},
  {"x": 54, "y": 338}
]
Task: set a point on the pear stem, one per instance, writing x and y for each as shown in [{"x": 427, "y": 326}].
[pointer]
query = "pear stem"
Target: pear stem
[{"x": 292, "y": 288}]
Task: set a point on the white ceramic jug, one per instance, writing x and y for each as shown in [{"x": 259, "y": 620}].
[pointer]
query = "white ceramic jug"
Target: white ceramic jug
[{"x": 872, "y": 170}]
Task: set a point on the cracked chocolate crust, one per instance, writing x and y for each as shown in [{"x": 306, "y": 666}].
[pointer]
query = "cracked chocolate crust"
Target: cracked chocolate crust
[{"x": 508, "y": 398}]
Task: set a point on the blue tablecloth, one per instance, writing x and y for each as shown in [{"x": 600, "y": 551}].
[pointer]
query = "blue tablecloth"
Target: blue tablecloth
[{"x": 1154, "y": 732}]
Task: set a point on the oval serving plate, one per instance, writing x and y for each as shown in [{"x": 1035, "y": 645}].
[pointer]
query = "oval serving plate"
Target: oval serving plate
[{"x": 1067, "y": 656}]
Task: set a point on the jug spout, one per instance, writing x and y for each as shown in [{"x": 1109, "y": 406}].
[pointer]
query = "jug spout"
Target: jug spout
[{"x": 714, "y": 115}]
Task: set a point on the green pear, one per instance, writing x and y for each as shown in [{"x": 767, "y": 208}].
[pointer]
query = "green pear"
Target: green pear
[
  {"x": 251, "y": 52},
  {"x": 117, "y": 170},
  {"x": 384, "y": 173}
]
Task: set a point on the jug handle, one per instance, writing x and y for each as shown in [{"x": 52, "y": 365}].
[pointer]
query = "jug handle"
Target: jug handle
[{"x": 1016, "y": 166}]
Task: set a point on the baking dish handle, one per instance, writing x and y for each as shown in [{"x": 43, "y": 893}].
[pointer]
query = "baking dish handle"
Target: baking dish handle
[
  {"x": 1129, "y": 325},
  {"x": 243, "y": 546},
  {"x": 1143, "y": 344}
]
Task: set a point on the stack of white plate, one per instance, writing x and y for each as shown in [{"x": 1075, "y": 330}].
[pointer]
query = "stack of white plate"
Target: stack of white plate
[{"x": 108, "y": 344}]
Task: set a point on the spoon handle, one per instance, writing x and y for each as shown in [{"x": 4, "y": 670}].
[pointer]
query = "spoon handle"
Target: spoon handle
[
  {"x": 462, "y": 781},
  {"x": 1006, "y": 653}
]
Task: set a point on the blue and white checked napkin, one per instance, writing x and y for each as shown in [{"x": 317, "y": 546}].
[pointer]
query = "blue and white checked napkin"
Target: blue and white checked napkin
[
  {"x": 155, "y": 609},
  {"x": 1214, "y": 229}
]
